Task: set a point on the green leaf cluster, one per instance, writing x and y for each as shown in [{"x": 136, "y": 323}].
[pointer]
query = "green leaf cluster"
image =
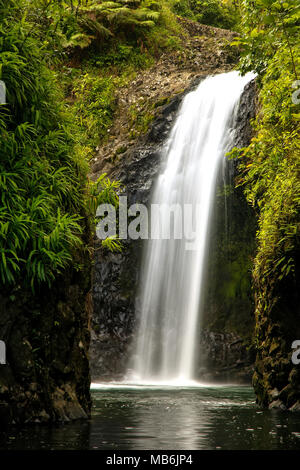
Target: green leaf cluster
[
  {"x": 266, "y": 26},
  {"x": 271, "y": 163},
  {"x": 77, "y": 25},
  {"x": 221, "y": 14},
  {"x": 46, "y": 197}
]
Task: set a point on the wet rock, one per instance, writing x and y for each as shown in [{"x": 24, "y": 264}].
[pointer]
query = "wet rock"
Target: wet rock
[
  {"x": 47, "y": 341},
  {"x": 277, "y": 405},
  {"x": 274, "y": 394},
  {"x": 295, "y": 407},
  {"x": 225, "y": 357}
]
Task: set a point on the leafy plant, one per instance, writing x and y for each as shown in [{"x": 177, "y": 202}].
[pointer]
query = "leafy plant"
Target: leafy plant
[
  {"x": 266, "y": 26},
  {"x": 45, "y": 195},
  {"x": 95, "y": 105},
  {"x": 271, "y": 162},
  {"x": 210, "y": 12}
]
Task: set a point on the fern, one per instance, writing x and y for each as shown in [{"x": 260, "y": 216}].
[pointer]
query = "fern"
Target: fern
[
  {"x": 112, "y": 244},
  {"x": 79, "y": 40},
  {"x": 95, "y": 26}
]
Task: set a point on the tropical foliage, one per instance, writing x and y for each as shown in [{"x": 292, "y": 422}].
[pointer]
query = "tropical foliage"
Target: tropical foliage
[
  {"x": 222, "y": 14},
  {"x": 76, "y": 24},
  {"x": 270, "y": 46},
  {"x": 45, "y": 193}
]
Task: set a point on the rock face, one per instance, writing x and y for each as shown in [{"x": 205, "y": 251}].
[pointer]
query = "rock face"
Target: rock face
[
  {"x": 46, "y": 375},
  {"x": 115, "y": 277},
  {"x": 225, "y": 357},
  {"x": 276, "y": 378}
]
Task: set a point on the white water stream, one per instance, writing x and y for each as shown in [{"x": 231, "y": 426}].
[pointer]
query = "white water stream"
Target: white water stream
[{"x": 172, "y": 277}]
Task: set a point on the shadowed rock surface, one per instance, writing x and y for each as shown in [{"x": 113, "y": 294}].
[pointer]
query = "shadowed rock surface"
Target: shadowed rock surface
[{"x": 46, "y": 377}]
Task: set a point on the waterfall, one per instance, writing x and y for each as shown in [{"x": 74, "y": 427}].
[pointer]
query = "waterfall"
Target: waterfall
[{"x": 170, "y": 297}]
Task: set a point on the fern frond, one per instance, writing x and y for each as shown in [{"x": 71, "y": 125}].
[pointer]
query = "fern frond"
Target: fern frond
[
  {"x": 145, "y": 14},
  {"x": 112, "y": 244},
  {"x": 79, "y": 40},
  {"x": 105, "y": 6},
  {"x": 95, "y": 26}
]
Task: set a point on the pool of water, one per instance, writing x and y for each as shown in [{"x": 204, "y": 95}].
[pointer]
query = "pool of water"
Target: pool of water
[{"x": 170, "y": 418}]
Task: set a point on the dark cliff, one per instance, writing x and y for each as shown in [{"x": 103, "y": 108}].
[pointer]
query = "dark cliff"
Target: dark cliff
[
  {"x": 276, "y": 378},
  {"x": 46, "y": 375}
]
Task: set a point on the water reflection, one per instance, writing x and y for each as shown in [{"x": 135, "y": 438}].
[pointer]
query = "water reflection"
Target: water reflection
[
  {"x": 204, "y": 418},
  {"x": 177, "y": 419}
]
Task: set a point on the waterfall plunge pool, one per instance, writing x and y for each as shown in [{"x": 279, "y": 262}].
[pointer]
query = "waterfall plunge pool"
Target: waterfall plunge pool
[{"x": 167, "y": 418}]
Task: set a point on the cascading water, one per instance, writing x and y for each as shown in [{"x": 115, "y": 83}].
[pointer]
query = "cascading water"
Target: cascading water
[{"x": 172, "y": 277}]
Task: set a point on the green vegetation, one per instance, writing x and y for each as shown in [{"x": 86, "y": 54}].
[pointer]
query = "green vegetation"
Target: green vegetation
[
  {"x": 94, "y": 107},
  {"x": 96, "y": 48},
  {"x": 46, "y": 197},
  {"x": 140, "y": 118},
  {"x": 210, "y": 12},
  {"x": 62, "y": 63},
  {"x": 270, "y": 46},
  {"x": 111, "y": 27}
]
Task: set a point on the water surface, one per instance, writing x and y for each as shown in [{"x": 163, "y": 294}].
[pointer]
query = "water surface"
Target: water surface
[{"x": 223, "y": 417}]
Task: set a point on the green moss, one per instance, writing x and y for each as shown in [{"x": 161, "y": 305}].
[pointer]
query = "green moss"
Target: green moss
[
  {"x": 140, "y": 118},
  {"x": 121, "y": 149},
  {"x": 162, "y": 101}
]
